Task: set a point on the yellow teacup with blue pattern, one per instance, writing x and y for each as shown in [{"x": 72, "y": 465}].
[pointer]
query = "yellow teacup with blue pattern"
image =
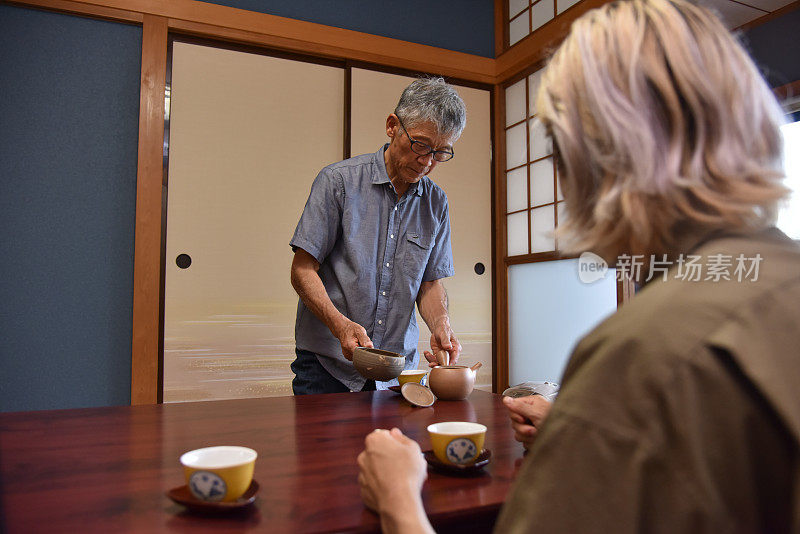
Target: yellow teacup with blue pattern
[
  {"x": 411, "y": 375},
  {"x": 219, "y": 474},
  {"x": 457, "y": 442}
]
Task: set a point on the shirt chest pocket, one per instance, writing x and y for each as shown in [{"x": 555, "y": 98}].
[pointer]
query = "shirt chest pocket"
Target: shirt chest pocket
[{"x": 416, "y": 251}]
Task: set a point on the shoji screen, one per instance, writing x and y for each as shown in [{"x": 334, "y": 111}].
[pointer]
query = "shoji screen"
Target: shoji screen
[
  {"x": 533, "y": 198},
  {"x": 549, "y": 308},
  {"x": 248, "y": 134},
  {"x": 467, "y": 181},
  {"x": 527, "y": 16}
]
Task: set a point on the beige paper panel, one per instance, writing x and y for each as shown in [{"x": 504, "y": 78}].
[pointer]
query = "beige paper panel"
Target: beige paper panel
[
  {"x": 248, "y": 134},
  {"x": 467, "y": 181}
]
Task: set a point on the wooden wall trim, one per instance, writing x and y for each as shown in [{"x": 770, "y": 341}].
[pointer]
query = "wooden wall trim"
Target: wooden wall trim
[
  {"x": 500, "y": 26},
  {"x": 81, "y": 8},
  {"x": 500, "y": 274},
  {"x": 145, "y": 355},
  {"x": 538, "y": 45},
  {"x": 769, "y": 16},
  {"x": 372, "y": 49},
  {"x": 790, "y": 91},
  {"x": 221, "y": 22}
]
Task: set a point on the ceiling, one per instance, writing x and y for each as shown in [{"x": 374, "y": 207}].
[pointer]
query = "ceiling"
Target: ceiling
[{"x": 735, "y": 14}]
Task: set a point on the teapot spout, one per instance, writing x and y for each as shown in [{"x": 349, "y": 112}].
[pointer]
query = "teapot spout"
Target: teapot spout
[{"x": 476, "y": 366}]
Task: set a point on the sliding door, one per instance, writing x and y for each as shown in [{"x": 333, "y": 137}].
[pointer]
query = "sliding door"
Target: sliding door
[{"x": 248, "y": 134}]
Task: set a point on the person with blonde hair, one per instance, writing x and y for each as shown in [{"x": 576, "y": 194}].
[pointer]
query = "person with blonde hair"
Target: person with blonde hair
[{"x": 680, "y": 412}]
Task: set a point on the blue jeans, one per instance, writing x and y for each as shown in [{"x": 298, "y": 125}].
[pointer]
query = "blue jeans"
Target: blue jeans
[{"x": 311, "y": 378}]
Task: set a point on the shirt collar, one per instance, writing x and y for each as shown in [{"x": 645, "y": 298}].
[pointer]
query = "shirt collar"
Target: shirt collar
[{"x": 382, "y": 177}]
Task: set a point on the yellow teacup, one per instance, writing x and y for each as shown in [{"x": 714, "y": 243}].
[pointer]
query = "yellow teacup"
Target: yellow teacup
[
  {"x": 457, "y": 442},
  {"x": 411, "y": 375},
  {"x": 219, "y": 473}
]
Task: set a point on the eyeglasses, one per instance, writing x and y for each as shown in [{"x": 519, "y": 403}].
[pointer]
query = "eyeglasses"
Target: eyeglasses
[{"x": 418, "y": 147}]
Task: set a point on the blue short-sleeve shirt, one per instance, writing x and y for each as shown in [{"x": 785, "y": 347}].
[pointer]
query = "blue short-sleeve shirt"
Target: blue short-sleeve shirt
[{"x": 374, "y": 252}]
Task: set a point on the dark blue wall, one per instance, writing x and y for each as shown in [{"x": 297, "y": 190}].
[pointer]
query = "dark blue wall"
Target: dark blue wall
[
  {"x": 461, "y": 25},
  {"x": 775, "y": 45},
  {"x": 69, "y": 101}
]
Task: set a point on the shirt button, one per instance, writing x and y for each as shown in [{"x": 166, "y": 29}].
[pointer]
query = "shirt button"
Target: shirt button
[
  {"x": 395, "y": 208},
  {"x": 380, "y": 322},
  {"x": 387, "y": 264},
  {"x": 392, "y": 236},
  {"x": 383, "y": 293}
]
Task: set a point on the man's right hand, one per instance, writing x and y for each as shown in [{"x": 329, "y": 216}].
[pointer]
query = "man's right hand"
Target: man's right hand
[
  {"x": 351, "y": 335},
  {"x": 309, "y": 286}
]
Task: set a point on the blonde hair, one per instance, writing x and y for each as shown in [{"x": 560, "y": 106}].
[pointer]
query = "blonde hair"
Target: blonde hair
[{"x": 664, "y": 127}]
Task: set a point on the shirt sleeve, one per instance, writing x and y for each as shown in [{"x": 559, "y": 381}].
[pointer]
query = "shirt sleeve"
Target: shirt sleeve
[
  {"x": 320, "y": 224},
  {"x": 440, "y": 262}
]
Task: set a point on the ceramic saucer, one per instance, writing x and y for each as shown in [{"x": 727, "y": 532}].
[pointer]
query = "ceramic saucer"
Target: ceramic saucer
[
  {"x": 483, "y": 458},
  {"x": 182, "y": 495}
]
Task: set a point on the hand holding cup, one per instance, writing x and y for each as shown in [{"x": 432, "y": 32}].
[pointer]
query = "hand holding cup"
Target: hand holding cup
[{"x": 527, "y": 415}]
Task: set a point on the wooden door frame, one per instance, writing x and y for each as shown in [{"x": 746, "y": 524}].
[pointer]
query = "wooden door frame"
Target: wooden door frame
[
  {"x": 347, "y": 65},
  {"x": 148, "y": 280}
]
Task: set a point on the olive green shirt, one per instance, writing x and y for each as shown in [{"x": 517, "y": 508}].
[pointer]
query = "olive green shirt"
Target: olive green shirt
[{"x": 680, "y": 412}]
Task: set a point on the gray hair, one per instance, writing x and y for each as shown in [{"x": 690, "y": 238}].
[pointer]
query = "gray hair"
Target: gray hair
[{"x": 434, "y": 100}]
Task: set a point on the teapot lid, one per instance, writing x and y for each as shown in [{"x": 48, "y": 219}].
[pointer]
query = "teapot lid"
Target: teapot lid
[{"x": 417, "y": 394}]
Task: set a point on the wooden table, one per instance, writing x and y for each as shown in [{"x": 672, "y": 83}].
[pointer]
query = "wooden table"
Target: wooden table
[{"x": 107, "y": 469}]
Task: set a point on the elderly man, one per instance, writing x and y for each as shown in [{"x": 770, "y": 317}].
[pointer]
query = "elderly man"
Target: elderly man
[{"x": 373, "y": 239}]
